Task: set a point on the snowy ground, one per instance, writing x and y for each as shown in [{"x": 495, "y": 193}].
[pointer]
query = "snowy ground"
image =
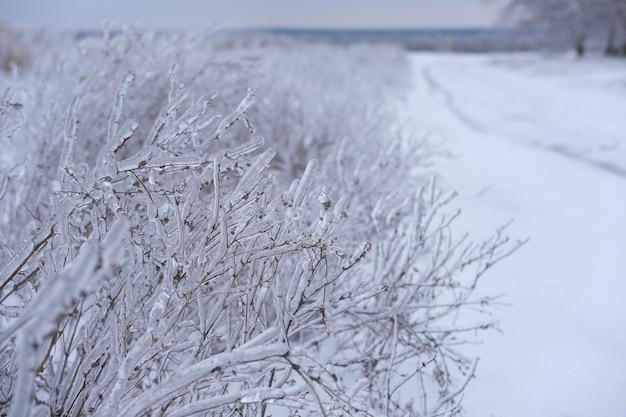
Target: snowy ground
[{"x": 541, "y": 141}]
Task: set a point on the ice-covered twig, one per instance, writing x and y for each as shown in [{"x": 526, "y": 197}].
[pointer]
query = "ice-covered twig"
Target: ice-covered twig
[{"x": 153, "y": 397}]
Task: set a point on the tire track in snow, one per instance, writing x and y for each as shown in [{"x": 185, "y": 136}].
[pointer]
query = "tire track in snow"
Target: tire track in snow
[
  {"x": 577, "y": 157},
  {"x": 436, "y": 87},
  {"x": 555, "y": 148},
  {"x": 565, "y": 285}
]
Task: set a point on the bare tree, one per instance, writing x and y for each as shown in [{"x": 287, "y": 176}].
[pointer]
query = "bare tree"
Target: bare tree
[
  {"x": 574, "y": 22},
  {"x": 613, "y": 12}
]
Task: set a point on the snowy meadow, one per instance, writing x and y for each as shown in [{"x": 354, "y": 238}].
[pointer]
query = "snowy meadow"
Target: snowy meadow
[
  {"x": 539, "y": 139},
  {"x": 193, "y": 224}
]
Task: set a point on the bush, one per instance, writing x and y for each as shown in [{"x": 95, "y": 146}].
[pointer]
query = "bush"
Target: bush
[{"x": 155, "y": 266}]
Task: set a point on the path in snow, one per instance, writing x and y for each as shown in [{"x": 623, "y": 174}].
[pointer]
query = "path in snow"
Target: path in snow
[{"x": 544, "y": 149}]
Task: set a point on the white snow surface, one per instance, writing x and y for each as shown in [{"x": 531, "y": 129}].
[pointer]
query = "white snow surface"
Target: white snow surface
[{"x": 540, "y": 141}]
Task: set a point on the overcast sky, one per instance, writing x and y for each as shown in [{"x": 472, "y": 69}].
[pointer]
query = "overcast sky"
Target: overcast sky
[{"x": 237, "y": 13}]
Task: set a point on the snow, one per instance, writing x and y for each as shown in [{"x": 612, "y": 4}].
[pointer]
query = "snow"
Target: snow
[{"x": 541, "y": 141}]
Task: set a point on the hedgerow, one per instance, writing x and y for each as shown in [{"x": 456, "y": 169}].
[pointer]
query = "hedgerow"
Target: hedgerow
[{"x": 160, "y": 258}]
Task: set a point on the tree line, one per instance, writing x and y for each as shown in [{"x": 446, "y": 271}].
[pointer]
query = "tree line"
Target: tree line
[{"x": 580, "y": 24}]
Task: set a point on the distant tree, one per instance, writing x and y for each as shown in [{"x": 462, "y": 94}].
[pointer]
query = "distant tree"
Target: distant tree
[
  {"x": 614, "y": 13},
  {"x": 573, "y": 21}
]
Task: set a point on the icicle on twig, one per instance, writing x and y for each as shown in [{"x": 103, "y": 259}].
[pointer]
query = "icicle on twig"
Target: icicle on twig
[
  {"x": 229, "y": 120},
  {"x": 118, "y": 105},
  {"x": 305, "y": 182},
  {"x": 246, "y": 147},
  {"x": 69, "y": 138},
  {"x": 258, "y": 165},
  {"x": 127, "y": 130}
]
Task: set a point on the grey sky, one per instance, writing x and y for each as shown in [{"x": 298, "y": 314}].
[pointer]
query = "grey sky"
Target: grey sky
[{"x": 284, "y": 13}]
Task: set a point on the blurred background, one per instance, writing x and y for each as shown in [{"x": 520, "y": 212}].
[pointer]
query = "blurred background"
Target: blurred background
[{"x": 369, "y": 14}]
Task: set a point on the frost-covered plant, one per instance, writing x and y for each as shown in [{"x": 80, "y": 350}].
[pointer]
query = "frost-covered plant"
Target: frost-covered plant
[
  {"x": 313, "y": 98},
  {"x": 11, "y": 114},
  {"x": 94, "y": 68},
  {"x": 161, "y": 269},
  {"x": 340, "y": 105}
]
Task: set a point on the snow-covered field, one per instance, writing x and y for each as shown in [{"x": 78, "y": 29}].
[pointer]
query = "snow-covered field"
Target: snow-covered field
[{"x": 541, "y": 141}]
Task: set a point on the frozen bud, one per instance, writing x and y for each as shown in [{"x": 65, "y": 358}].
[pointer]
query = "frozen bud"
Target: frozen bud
[
  {"x": 249, "y": 125},
  {"x": 128, "y": 78},
  {"x": 159, "y": 306},
  {"x": 360, "y": 252},
  {"x": 163, "y": 211},
  {"x": 152, "y": 212},
  {"x": 254, "y": 397},
  {"x": 32, "y": 228},
  {"x": 293, "y": 186},
  {"x": 287, "y": 198},
  {"x": 305, "y": 182},
  {"x": 55, "y": 187},
  {"x": 323, "y": 198},
  {"x": 340, "y": 207},
  {"x": 81, "y": 169},
  {"x": 293, "y": 213}
]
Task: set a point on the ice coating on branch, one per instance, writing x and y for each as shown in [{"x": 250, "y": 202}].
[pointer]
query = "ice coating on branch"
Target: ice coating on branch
[
  {"x": 112, "y": 243},
  {"x": 258, "y": 165},
  {"x": 118, "y": 105},
  {"x": 39, "y": 320},
  {"x": 206, "y": 120},
  {"x": 163, "y": 210},
  {"x": 247, "y": 147},
  {"x": 32, "y": 229},
  {"x": 261, "y": 394},
  {"x": 229, "y": 120},
  {"x": 262, "y": 339},
  {"x": 323, "y": 198},
  {"x": 185, "y": 377},
  {"x": 359, "y": 253},
  {"x": 305, "y": 182},
  {"x": 340, "y": 207},
  {"x": 145, "y": 160},
  {"x": 71, "y": 121},
  {"x": 297, "y": 283},
  {"x": 249, "y": 125},
  {"x": 176, "y": 96},
  {"x": 71, "y": 125},
  {"x": 247, "y": 102},
  {"x": 158, "y": 308},
  {"x": 12, "y": 115},
  {"x": 192, "y": 116},
  {"x": 180, "y": 96},
  {"x": 138, "y": 160},
  {"x": 127, "y": 130},
  {"x": 56, "y": 188},
  {"x": 174, "y": 84}
]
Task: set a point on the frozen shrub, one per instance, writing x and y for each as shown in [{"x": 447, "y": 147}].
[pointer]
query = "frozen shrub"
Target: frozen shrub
[
  {"x": 11, "y": 114},
  {"x": 313, "y": 98},
  {"x": 156, "y": 265},
  {"x": 93, "y": 68}
]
